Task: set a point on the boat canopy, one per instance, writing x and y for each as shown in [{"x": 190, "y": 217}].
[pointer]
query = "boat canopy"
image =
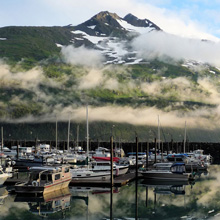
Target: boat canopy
[{"x": 134, "y": 153}]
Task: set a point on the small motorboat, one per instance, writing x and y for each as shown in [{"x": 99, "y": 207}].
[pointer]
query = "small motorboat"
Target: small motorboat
[
  {"x": 167, "y": 171},
  {"x": 45, "y": 179}
]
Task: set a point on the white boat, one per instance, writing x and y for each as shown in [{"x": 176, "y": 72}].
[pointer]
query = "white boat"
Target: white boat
[
  {"x": 206, "y": 159},
  {"x": 105, "y": 165},
  {"x": 83, "y": 174},
  {"x": 3, "y": 176},
  {"x": 46, "y": 179},
  {"x": 166, "y": 171}
]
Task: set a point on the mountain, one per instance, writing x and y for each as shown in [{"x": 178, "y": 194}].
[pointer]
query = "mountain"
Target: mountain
[
  {"x": 106, "y": 32},
  {"x": 112, "y": 35},
  {"x": 38, "y": 83}
]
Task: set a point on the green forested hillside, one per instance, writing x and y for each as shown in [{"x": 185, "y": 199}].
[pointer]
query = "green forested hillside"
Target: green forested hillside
[{"x": 38, "y": 84}]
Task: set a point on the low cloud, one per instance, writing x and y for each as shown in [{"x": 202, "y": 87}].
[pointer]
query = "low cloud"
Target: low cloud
[
  {"x": 202, "y": 117},
  {"x": 93, "y": 79},
  {"x": 160, "y": 45},
  {"x": 82, "y": 56}
]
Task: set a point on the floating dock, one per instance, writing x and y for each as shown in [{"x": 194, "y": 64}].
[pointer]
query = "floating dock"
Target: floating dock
[{"x": 118, "y": 181}]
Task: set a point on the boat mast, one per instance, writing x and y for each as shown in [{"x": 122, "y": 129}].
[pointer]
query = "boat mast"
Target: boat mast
[
  {"x": 184, "y": 143},
  {"x": 77, "y": 136},
  {"x": 87, "y": 132},
  {"x": 68, "y": 137},
  {"x": 56, "y": 133},
  {"x": 158, "y": 132},
  {"x": 2, "y": 140}
]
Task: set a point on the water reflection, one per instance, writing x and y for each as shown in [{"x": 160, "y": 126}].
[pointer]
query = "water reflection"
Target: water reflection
[
  {"x": 50, "y": 203},
  {"x": 139, "y": 200}
]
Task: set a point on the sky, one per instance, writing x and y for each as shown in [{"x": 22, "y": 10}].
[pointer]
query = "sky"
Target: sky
[{"x": 187, "y": 18}]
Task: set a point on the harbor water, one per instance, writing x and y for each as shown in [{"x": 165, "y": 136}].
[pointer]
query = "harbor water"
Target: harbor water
[{"x": 138, "y": 200}]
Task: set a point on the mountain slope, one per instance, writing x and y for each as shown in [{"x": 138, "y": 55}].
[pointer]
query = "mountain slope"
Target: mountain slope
[{"x": 105, "y": 32}]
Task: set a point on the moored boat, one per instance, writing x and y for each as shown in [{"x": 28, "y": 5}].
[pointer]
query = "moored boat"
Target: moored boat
[
  {"x": 46, "y": 179},
  {"x": 84, "y": 174},
  {"x": 3, "y": 176},
  {"x": 167, "y": 171}
]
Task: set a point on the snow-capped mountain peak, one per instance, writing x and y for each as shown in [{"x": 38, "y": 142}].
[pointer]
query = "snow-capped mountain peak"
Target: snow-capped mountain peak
[{"x": 111, "y": 34}]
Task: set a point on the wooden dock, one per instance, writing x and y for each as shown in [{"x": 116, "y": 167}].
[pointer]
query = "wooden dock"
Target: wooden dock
[{"x": 118, "y": 181}]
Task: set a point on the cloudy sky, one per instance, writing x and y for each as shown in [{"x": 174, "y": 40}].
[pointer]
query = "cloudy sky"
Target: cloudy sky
[{"x": 188, "y": 18}]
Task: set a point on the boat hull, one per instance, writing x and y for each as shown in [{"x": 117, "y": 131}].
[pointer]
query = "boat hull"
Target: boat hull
[
  {"x": 29, "y": 188},
  {"x": 164, "y": 176},
  {"x": 87, "y": 175}
]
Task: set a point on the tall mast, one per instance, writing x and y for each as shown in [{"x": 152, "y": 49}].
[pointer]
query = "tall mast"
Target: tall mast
[
  {"x": 184, "y": 143},
  {"x": 56, "y": 133},
  {"x": 2, "y": 139},
  {"x": 158, "y": 133},
  {"x": 68, "y": 136},
  {"x": 77, "y": 136},
  {"x": 87, "y": 131}
]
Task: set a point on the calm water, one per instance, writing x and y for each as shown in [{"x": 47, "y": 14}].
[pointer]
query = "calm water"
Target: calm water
[{"x": 200, "y": 200}]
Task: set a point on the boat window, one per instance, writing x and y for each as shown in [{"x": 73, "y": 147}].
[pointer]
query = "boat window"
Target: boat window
[
  {"x": 57, "y": 176},
  {"x": 179, "y": 159},
  {"x": 49, "y": 177},
  {"x": 66, "y": 170},
  {"x": 58, "y": 203},
  {"x": 35, "y": 176},
  {"x": 87, "y": 174},
  {"x": 43, "y": 177}
]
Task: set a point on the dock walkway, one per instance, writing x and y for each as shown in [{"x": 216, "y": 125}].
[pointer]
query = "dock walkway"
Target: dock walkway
[{"x": 118, "y": 181}]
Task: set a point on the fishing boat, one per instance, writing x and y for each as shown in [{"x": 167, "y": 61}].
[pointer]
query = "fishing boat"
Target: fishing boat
[
  {"x": 167, "y": 171},
  {"x": 46, "y": 179}
]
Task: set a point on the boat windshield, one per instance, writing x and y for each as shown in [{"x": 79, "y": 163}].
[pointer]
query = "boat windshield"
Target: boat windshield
[{"x": 35, "y": 176}]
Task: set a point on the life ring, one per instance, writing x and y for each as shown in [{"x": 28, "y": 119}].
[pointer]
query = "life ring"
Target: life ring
[{"x": 34, "y": 183}]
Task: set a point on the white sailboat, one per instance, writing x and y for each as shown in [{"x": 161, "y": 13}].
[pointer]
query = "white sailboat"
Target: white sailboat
[{"x": 86, "y": 174}]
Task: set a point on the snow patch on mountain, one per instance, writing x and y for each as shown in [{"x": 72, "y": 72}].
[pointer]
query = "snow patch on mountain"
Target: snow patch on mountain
[
  {"x": 93, "y": 39},
  {"x": 129, "y": 27},
  {"x": 91, "y": 27}
]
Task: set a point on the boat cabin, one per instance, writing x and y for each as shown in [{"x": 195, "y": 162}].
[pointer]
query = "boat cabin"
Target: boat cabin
[
  {"x": 45, "y": 175},
  {"x": 45, "y": 179}
]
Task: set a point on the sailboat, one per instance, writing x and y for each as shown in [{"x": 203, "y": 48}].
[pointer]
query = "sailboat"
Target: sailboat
[{"x": 86, "y": 174}]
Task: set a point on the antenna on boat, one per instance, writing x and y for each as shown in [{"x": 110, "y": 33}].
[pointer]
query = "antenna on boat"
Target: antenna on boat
[
  {"x": 184, "y": 143},
  {"x": 68, "y": 137}
]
